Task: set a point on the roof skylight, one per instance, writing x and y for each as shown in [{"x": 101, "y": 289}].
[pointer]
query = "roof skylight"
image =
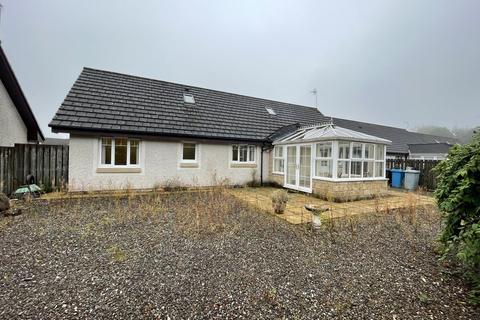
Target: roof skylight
[
  {"x": 270, "y": 111},
  {"x": 188, "y": 98}
]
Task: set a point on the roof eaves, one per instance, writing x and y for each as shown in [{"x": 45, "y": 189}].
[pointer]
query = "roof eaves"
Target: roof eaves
[{"x": 102, "y": 130}]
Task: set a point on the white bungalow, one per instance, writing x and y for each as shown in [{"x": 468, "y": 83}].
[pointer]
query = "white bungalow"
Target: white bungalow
[{"x": 128, "y": 131}]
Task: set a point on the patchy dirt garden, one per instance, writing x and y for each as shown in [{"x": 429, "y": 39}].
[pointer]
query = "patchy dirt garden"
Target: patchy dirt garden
[{"x": 207, "y": 255}]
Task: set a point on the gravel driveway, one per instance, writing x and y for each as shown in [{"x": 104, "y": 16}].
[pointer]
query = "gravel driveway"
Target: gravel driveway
[{"x": 209, "y": 256}]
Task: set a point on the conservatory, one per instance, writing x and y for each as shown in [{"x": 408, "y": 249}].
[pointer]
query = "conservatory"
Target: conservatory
[{"x": 332, "y": 162}]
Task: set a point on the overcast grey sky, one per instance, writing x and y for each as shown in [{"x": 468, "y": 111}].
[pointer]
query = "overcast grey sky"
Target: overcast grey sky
[{"x": 402, "y": 63}]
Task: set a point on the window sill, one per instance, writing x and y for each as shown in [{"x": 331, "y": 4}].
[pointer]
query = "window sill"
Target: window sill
[
  {"x": 279, "y": 173},
  {"x": 243, "y": 165},
  {"x": 119, "y": 170},
  {"x": 189, "y": 165}
]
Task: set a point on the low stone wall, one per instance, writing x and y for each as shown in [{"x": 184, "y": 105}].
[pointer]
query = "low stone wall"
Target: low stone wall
[
  {"x": 343, "y": 191},
  {"x": 276, "y": 178}
]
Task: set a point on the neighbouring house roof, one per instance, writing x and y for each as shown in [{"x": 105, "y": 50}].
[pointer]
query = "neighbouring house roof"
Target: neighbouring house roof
[
  {"x": 432, "y": 148},
  {"x": 328, "y": 131},
  {"x": 18, "y": 98},
  {"x": 103, "y": 101},
  {"x": 401, "y": 138}
]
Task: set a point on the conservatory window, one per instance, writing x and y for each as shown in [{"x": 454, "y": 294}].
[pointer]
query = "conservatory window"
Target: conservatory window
[
  {"x": 379, "y": 152},
  {"x": 369, "y": 150},
  {"x": 343, "y": 166},
  {"x": 368, "y": 169},
  {"x": 379, "y": 161},
  {"x": 243, "y": 153},
  {"x": 366, "y": 160},
  {"x": 356, "y": 169},
  {"x": 379, "y": 169},
  {"x": 323, "y": 160},
  {"x": 344, "y": 150},
  {"x": 356, "y": 150},
  {"x": 278, "y": 160}
]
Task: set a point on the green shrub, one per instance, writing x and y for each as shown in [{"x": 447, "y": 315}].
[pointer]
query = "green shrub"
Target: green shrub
[{"x": 458, "y": 196}]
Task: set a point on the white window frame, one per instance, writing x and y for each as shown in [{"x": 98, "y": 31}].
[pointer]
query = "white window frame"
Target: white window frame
[
  {"x": 335, "y": 159},
  {"x": 248, "y": 146},
  {"x": 380, "y": 161},
  {"x": 280, "y": 158},
  {"x": 197, "y": 148},
  {"x": 112, "y": 153},
  {"x": 320, "y": 158}
]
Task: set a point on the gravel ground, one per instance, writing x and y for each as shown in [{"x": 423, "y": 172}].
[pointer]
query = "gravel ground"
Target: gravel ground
[{"x": 209, "y": 256}]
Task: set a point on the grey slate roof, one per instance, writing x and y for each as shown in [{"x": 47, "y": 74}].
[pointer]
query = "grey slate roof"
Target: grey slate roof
[
  {"x": 400, "y": 138},
  {"x": 430, "y": 148},
  {"x": 103, "y": 101}
]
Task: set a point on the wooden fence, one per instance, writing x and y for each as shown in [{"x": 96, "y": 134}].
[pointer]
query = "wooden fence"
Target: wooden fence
[
  {"x": 47, "y": 163},
  {"x": 427, "y": 177}
]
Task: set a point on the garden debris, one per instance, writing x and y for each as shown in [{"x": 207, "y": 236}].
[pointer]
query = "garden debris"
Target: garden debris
[{"x": 27, "y": 191}]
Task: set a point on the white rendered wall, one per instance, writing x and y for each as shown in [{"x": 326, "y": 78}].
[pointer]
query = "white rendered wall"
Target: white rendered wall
[
  {"x": 160, "y": 162},
  {"x": 12, "y": 128}
]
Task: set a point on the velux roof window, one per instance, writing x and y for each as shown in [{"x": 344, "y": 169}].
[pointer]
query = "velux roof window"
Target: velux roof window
[
  {"x": 188, "y": 98},
  {"x": 270, "y": 111}
]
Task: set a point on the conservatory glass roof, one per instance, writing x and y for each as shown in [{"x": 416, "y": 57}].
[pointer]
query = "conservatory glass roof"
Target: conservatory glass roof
[{"x": 327, "y": 131}]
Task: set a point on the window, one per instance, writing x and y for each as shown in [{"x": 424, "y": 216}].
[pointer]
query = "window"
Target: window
[
  {"x": 270, "y": 111},
  {"x": 368, "y": 169},
  {"x": 379, "y": 152},
  {"x": 343, "y": 166},
  {"x": 119, "y": 152},
  {"x": 133, "y": 152},
  {"x": 189, "y": 152},
  {"x": 356, "y": 150},
  {"x": 251, "y": 153},
  {"x": 343, "y": 169},
  {"x": 323, "y": 160},
  {"x": 356, "y": 170},
  {"x": 243, "y": 153},
  {"x": 369, "y": 151},
  {"x": 278, "y": 160},
  {"x": 379, "y": 169},
  {"x": 188, "y": 98},
  {"x": 106, "y": 152},
  {"x": 344, "y": 150},
  {"x": 367, "y": 160},
  {"x": 379, "y": 161},
  {"x": 235, "y": 154}
]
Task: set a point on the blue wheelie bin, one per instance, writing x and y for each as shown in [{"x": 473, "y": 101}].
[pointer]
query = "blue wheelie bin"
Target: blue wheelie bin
[{"x": 398, "y": 175}]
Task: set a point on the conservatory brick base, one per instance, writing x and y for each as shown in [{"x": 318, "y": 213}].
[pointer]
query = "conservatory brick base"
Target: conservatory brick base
[
  {"x": 343, "y": 191},
  {"x": 277, "y": 178}
]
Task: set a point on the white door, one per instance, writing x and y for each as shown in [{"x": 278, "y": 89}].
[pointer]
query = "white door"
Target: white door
[{"x": 299, "y": 168}]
